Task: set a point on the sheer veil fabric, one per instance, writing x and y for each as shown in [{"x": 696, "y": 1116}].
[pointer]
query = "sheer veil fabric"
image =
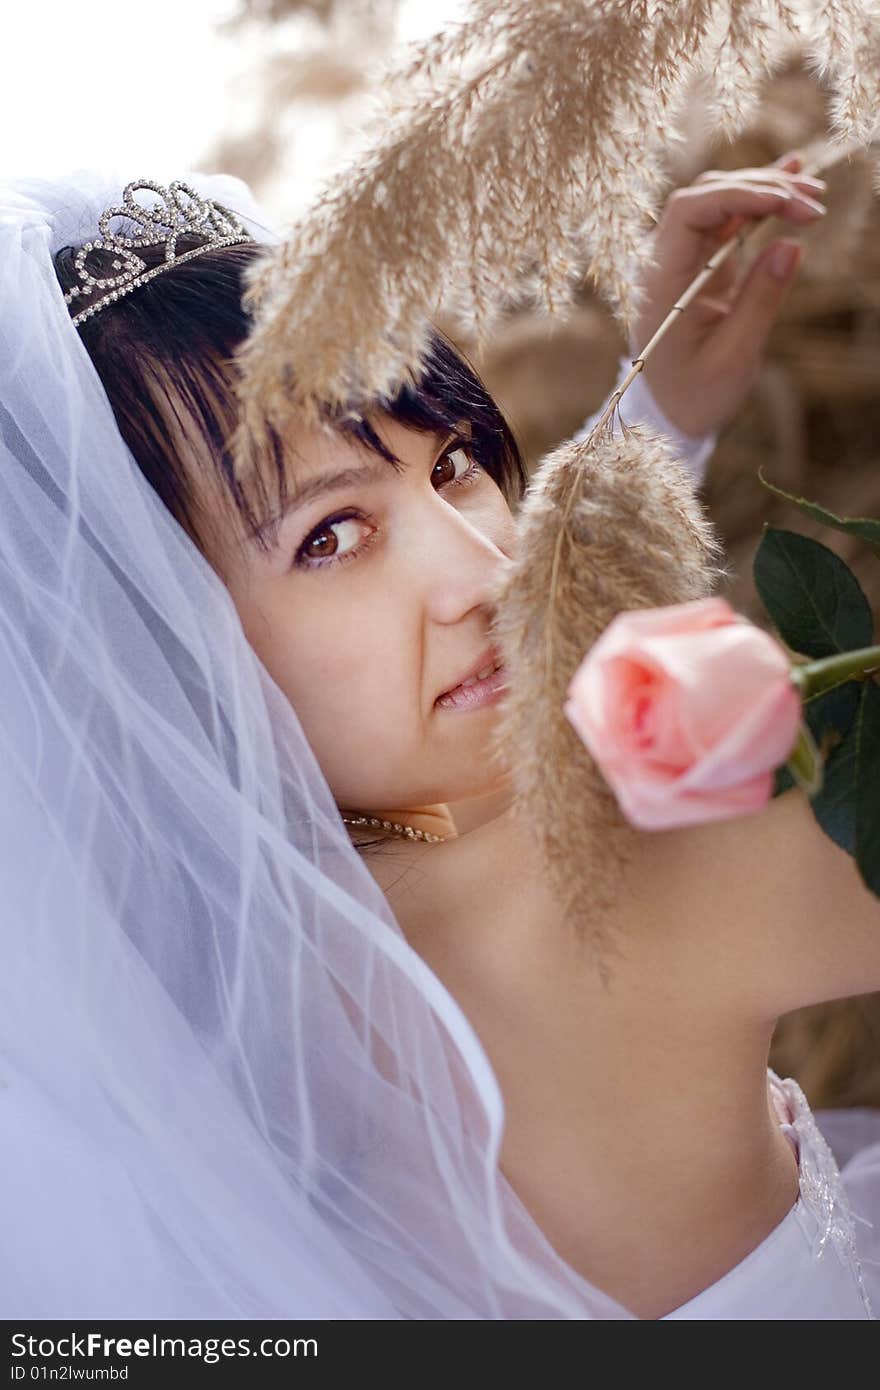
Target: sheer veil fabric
[{"x": 228, "y": 1086}]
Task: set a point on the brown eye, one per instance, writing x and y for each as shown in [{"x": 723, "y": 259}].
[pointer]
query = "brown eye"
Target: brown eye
[
  {"x": 335, "y": 540},
  {"x": 453, "y": 461},
  {"x": 320, "y": 545}
]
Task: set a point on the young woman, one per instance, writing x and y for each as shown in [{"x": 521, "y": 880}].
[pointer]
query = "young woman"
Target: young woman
[
  {"x": 375, "y": 600},
  {"x": 639, "y": 1132}
]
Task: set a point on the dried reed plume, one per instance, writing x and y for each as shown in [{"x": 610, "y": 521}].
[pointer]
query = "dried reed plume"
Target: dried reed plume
[
  {"x": 636, "y": 537},
  {"x": 845, "y": 50},
  {"x": 523, "y": 147}
]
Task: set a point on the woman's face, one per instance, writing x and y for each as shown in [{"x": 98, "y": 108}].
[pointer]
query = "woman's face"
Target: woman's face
[{"x": 374, "y": 600}]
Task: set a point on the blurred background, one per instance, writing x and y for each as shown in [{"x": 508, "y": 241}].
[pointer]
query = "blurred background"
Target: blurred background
[
  {"x": 272, "y": 89},
  {"x": 279, "y": 92}
]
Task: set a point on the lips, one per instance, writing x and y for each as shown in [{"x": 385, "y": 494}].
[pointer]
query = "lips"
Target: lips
[
  {"x": 477, "y": 694},
  {"x": 485, "y": 664}
]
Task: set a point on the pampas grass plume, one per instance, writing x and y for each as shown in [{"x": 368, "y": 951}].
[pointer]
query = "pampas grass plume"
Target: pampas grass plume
[{"x": 636, "y": 536}]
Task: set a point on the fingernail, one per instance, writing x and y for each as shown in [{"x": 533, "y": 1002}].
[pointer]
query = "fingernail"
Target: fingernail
[
  {"x": 812, "y": 204},
  {"x": 783, "y": 260},
  {"x": 800, "y": 182}
]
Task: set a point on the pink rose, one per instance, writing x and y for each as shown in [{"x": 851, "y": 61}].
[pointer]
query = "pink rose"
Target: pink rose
[{"x": 687, "y": 710}]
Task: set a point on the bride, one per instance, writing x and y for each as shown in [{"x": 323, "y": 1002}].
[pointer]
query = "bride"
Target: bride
[{"x": 636, "y": 1159}]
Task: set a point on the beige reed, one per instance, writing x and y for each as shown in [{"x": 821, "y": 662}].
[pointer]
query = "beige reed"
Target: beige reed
[{"x": 524, "y": 147}]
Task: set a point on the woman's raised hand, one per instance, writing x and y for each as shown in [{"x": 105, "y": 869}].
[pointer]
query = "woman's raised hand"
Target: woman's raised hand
[{"x": 702, "y": 369}]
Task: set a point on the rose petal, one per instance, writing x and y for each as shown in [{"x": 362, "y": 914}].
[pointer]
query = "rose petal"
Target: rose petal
[
  {"x": 759, "y": 742},
  {"x": 656, "y": 809},
  {"x": 719, "y": 679}
]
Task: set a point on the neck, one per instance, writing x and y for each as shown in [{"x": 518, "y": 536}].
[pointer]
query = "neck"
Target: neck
[
  {"x": 449, "y": 819},
  {"x": 479, "y": 810},
  {"x": 434, "y": 818}
]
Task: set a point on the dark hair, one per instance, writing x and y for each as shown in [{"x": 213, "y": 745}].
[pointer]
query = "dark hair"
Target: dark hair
[{"x": 165, "y": 356}]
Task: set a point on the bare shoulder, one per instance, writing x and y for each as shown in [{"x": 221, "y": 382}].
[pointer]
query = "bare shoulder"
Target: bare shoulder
[
  {"x": 772, "y": 891},
  {"x": 762, "y": 910}
]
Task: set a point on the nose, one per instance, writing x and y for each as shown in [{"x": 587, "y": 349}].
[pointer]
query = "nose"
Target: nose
[{"x": 463, "y": 558}]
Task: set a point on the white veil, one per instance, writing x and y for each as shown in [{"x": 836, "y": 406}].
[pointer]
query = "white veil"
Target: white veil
[{"x": 228, "y": 1086}]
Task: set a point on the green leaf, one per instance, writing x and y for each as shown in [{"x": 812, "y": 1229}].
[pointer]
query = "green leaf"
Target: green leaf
[
  {"x": 866, "y": 737},
  {"x": 782, "y": 780},
  {"x": 866, "y": 528},
  {"x": 811, "y": 595},
  {"x": 835, "y": 806}
]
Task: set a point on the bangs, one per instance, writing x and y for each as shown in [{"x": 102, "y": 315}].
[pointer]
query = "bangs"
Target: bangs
[
  {"x": 448, "y": 393},
  {"x": 166, "y": 354}
]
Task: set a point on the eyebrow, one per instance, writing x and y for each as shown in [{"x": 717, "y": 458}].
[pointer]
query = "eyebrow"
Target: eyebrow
[
  {"x": 325, "y": 483},
  {"x": 319, "y": 486},
  {"x": 332, "y": 482}
]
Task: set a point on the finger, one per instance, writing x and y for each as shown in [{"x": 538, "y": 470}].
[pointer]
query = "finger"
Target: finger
[
  {"x": 728, "y": 228},
  {"x": 704, "y": 209},
  {"x": 710, "y": 310},
  {"x": 759, "y": 301},
  {"x": 727, "y": 274},
  {"x": 771, "y": 176},
  {"x": 725, "y": 278},
  {"x": 722, "y": 234},
  {"x": 793, "y": 162}
]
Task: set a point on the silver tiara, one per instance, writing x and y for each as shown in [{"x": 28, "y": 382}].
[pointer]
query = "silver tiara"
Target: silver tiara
[{"x": 181, "y": 212}]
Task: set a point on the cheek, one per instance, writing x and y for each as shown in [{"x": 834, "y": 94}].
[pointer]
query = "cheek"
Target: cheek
[
  {"x": 333, "y": 665},
  {"x": 344, "y": 681},
  {"x": 298, "y": 649},
  {"x": 488, "y": 512},
  {"x": 506, "y": 538}
]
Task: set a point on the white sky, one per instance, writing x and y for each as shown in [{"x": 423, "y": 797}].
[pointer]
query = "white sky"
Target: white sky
[{"x": 138, "y": 88}]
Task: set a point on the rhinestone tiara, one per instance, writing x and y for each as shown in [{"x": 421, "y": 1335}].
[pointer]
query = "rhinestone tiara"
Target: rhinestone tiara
[{"x": 179, "y": 212}]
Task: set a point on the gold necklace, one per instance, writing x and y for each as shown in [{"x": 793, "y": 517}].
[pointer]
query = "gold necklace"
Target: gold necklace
[{"x": 409, "y": 832}]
